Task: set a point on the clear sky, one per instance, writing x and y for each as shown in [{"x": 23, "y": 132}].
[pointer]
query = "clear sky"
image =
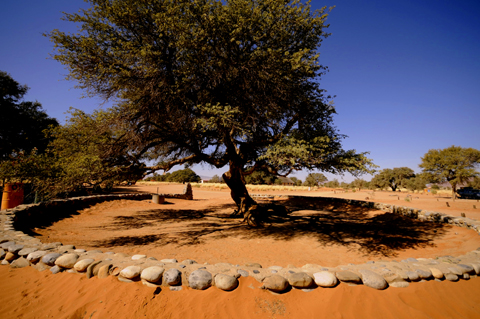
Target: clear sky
[{"x": 406, "y": 74}]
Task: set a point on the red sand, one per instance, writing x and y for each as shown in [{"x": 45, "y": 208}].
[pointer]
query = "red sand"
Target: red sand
[{"x": 177, "y": 230}]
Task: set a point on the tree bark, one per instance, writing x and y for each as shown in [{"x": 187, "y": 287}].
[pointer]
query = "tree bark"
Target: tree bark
[{"x": 235, "y": 181}]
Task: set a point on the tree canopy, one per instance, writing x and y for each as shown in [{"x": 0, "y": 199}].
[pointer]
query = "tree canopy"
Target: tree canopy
[
  {"x": 21, "y": 122},
  {"x": 454, "y": 164},
  {"x": 393, "y": 178},
  {"x": 228, "y": 83}
]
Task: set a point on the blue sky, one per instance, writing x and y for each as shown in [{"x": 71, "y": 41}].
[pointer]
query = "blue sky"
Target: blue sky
[{"x": 406, "y": 74}]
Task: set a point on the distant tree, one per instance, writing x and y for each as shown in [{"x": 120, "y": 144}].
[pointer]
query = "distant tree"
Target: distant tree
[
  {"x": 260, "y": 178},
  {"x": 21, "y": 122},
  {"x": 158, "y": 177},
  {"x": 454, "y": 164},
  {"x": 416, "y": 183},
  {"x": 332, "y": 184},
  {"x": 184, "y": 176},
  {"x": 344, "y": 185},
  {"x": 359, "y": 183},
  {"x": 216, "y": 179},
  {"x": 228, "y": 83},
  {"x": 315, "y": 179},
  {"x": 296, "y": 181},
  {"x": 393, "y": 178}
]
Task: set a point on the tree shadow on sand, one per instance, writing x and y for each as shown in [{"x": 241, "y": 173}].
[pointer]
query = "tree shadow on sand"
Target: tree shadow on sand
[{"x": 328, "y": 223}]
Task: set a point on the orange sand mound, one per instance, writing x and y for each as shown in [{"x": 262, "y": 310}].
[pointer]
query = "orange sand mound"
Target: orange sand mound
[{"x": 26, "y": 293}]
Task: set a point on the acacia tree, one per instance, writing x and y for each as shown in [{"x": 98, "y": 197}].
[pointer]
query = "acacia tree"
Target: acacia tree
[
  {"x": 315, "y": 179},
  {"x": 393, "y": 178},
  {"x": 454, "y": 164},
  {"x": 228, "y": 83}
]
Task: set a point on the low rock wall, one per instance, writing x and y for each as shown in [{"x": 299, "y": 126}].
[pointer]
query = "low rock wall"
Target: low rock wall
[{"x": 18, "y": 249}]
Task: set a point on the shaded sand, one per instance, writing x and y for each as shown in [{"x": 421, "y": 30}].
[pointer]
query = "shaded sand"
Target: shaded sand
[
  {"x": 202, "y": 230},
  {"x": 27, "y": 293}
]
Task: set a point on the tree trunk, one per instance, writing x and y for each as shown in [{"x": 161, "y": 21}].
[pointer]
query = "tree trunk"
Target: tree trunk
[
  {"x": 235, "y": 181},
  {"x": 454, "y": 188}
]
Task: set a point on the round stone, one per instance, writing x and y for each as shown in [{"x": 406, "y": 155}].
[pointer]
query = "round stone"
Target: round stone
[
  {"x": 131, "y": 272},
  {"x": 254, "y": 265},
  {"x": 300, "y": 280},
  {"x": 82, "y": 265},
  {"x": 437, "y": 273},
  {"x": 348, "y": 276},
  {"x": 451, "y": 277},
  {"x": 104, "y": 271},
  {"x": 325, "y": 279},
  {"x": 413, "y": 275},
  {"x": 67, "y": 261},
  {"x": 20, "y": 263},
  {"x": 172, "y": 277},
  {"x": 424, "y": 274},
  {"x": 10, "y": 256},
  {"x": 49, "y": 259},
  {"x": 455, "y": 270},
  {"x": 55, "y": 269},
  {"x": 226, "y": 282},
  {"x": 200, "y": 279},
  {"x": 2, "y": 253},
  {"x": 243, "y": 273},
  {"x": 25, "y": 251},
  {"x": 15, "y": 248},
  {"x": 138, "y": 257},
  {"x": 152, "y": 274},
  {"x": 35, "y": 256},
  {"x": 188, "y": 262},
  {"x": 169, "y": 261},
  {"x": 275, "y": 283},
  {"x": 372, "y": 279}
]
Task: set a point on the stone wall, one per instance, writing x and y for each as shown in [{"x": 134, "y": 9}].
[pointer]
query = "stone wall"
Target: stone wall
[{"x": 19, "y": 249}]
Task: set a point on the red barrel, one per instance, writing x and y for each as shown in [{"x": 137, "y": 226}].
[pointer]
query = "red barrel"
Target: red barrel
[{"x": 12, "y": 195}]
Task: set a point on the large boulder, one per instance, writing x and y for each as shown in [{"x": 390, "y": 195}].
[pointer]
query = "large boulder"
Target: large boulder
[
  {"x": 300, "y": 280},
  {"x": 226, "y": 282},
  {"x": 325, "y": 279},
  {"x": 275, "y": 283},
  {"x": 200, "y": 279}
]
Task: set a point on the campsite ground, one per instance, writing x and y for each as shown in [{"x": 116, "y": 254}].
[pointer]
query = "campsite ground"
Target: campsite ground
[{"x": 324, "y": 234}]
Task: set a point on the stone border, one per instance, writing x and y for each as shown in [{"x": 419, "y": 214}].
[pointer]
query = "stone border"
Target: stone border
[{"x": 18, "y": 249}]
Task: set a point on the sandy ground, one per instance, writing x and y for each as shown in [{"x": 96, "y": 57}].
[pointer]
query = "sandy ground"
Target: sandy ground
[{"x": 202, "y": 229}]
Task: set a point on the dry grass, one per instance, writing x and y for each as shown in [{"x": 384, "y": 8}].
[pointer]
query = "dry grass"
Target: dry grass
[
  {"x": 223, "y": 186},
  {"x": 283, "y": 188}
]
